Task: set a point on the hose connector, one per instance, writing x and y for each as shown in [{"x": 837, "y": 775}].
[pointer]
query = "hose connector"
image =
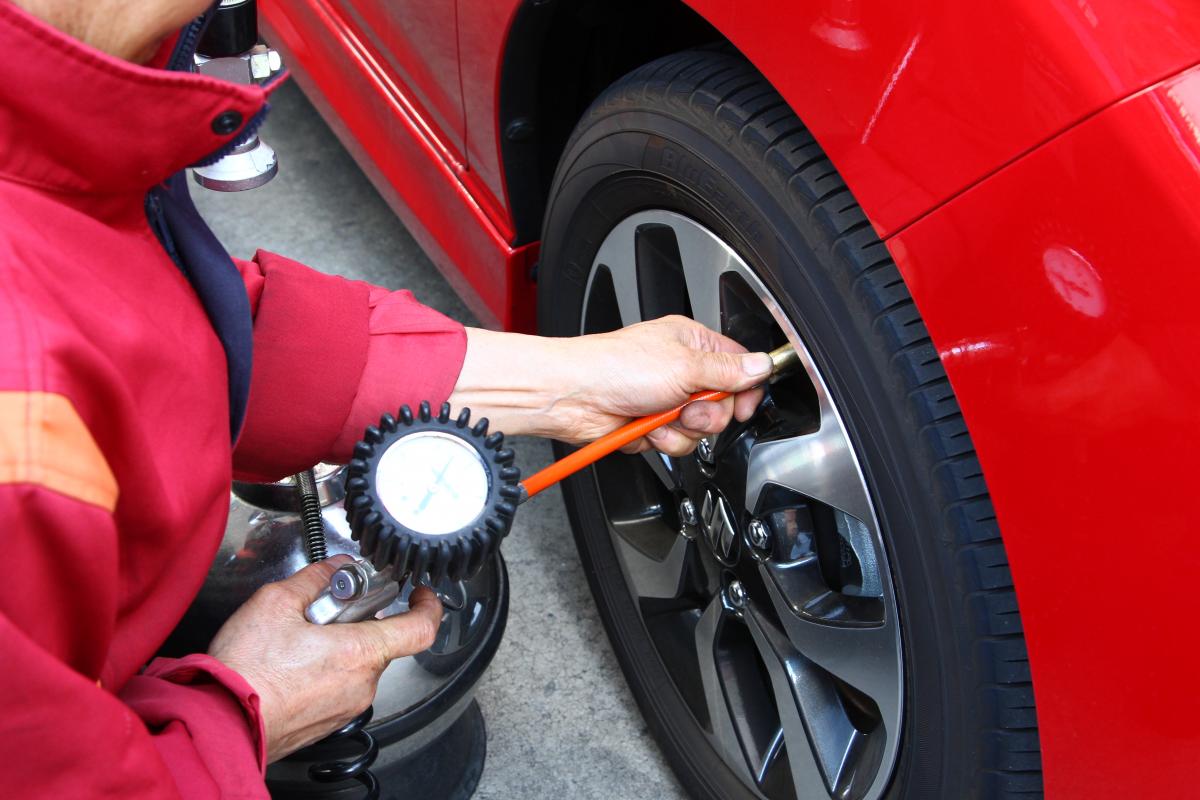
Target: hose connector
[{"x": 784, "y": 361}]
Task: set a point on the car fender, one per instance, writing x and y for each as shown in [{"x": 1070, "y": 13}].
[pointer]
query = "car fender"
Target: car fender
[{"x": 1060, "y": 293}]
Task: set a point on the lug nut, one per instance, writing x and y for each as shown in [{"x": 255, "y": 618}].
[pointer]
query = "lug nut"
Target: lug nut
[
  {"x": 704, "y": 451},
  {"x": 736, "y": 594},
  {"x": 687, "y": 511},
  {"x": 758, "y": 534},
  {"x": 689, "y": 521}
]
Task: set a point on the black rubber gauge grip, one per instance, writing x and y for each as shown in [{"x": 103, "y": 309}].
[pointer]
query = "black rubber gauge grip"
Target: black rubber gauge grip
[{"x": 429, "y": 557}]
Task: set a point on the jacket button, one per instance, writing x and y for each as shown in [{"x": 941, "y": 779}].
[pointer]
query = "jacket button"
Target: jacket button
[{"x": 226, "y": 122}]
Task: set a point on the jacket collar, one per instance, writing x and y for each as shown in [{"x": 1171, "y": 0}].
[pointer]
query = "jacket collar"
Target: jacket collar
[{"x": 73, "y": 119}]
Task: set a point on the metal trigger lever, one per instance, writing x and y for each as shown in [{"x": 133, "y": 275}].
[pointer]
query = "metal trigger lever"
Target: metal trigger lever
[
  {"x": 454, "y": 598},
  {"x": 356, "y": 591}
]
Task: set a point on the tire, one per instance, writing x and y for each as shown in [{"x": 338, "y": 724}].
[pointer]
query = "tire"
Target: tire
[{"x": 701, "y": 139}]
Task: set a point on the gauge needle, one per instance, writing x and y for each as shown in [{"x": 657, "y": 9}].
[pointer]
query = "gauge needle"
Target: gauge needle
[{"x": 437, "y": 482}]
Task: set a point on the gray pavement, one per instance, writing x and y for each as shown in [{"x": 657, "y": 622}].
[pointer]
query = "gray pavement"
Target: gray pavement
[{"x": 561, "y": 721}]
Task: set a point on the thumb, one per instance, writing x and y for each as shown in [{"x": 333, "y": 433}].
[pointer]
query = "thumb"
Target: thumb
[
  {"x": 410, "y": 632},
  {"x": 728, "y": 372}
]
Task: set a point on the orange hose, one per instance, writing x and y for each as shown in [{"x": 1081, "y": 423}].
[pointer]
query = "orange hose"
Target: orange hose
[{"x": 591, "y": 453}]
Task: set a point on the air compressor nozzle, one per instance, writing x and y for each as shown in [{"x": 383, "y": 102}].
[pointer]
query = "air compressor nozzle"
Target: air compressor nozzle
[{"x": 784, "y": 361}]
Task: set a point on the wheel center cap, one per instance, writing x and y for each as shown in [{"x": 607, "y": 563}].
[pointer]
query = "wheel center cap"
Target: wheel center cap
[{"x": 717, "y": 525}]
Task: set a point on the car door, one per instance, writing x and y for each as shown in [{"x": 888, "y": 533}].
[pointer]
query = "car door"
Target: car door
[{"x": 417, "y": 42}]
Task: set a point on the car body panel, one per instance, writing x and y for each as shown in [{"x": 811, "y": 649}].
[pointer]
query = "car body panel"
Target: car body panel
[
  {"x": 914, "y": 102},
  {"x": 1043, "y": 205},
  {"x": 482, "y": 35},
  {"x": 453, "y": 217},
  {"x": 885, "y": 86},
  {"x": 417, "y": 43},
  {"x": 1065, "y": 288}
]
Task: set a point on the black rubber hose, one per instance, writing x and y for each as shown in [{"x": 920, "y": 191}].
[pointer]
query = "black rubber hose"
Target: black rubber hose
[
  {"x": 310, "y": 514},
  {"x": 359, "y": 767},
  {"x": 356, "y": 768}
]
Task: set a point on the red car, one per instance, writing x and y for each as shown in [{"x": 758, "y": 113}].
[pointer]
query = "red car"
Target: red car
[{"x": 954, "y": 556}]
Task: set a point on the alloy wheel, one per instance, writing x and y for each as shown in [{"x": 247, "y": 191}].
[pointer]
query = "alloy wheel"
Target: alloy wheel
[{"x": 757, "y": 564}]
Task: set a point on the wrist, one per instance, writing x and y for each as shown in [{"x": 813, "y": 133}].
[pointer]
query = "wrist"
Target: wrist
[{"x": 522, "y": 384}]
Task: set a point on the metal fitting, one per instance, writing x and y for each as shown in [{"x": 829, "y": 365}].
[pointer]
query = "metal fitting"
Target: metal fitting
[
  {"x": 356, "y": 591},
  {"x": 784, "y": 361},
  {"x": 254, "y": 66},
  {"x": 346, "y": 584},
  {"x": 248, "y": 166},
  {"x": 758, "y": 534},
  {"x": 689, "y": 521},
  {"x": 687, "y": 512},
  {"x": 704, "y": 451},
  {"x": 264, "y": 63},
  {"x": 736, "y": 594}
]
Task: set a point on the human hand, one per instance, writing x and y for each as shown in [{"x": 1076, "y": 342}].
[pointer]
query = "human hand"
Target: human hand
[
  {"x": 313, "y": 679},
  {"x": 580, "y": 388}
]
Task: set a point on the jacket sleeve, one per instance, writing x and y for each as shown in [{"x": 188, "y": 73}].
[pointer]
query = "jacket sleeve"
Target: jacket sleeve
[
  {"x": 331, "y": 355},
  {"x": 185, "y": 728}
]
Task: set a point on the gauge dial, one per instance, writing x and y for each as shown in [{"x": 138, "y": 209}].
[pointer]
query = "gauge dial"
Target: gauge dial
[{"x": 432, "y": 483}]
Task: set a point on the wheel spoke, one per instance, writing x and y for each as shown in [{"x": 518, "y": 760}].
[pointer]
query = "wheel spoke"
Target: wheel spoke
[
  {"x": 650, "y": 577},
  {"x": 618, "y": 254},
  {"x": 705, "y": 259},
  {"x": 819, "y": 735},
  {"x": 774, "y": 751},
  {"x": 664, "y": 468},
  {"x": 724, "y": 730},
  {"x": 863, "y": 656},
  {"x": 819, "y": 465}
]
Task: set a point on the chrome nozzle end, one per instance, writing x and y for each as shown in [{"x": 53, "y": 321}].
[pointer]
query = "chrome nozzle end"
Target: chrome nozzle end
[{"x": 784, "y": 361}]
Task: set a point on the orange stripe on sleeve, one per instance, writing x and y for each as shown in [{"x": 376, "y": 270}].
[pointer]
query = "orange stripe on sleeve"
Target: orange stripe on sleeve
[{"x": 44, "y": 442}]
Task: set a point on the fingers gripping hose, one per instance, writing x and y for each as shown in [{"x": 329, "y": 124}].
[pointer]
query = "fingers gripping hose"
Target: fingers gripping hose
[
  {"x": 591, "y": 453},
  {"x": 784, "y": 360}
]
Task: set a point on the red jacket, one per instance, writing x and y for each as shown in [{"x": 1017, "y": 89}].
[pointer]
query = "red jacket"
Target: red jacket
[{"x": 115, "y": 454}]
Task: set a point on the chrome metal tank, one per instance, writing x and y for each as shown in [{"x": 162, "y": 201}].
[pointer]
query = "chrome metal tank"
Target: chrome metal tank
[{"x": 420, "y": 696}]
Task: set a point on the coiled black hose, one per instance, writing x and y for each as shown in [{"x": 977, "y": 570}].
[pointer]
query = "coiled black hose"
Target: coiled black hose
[
  {"x": 310, "y": 515},
  {"x": 357, "y": 768}
]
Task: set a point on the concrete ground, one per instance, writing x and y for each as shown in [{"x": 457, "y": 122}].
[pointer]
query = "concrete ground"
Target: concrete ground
[{"x": 561, "y": 721}]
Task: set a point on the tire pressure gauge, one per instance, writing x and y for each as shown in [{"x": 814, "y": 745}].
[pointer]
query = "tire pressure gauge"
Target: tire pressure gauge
[{"x": 430, "y": 496}]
